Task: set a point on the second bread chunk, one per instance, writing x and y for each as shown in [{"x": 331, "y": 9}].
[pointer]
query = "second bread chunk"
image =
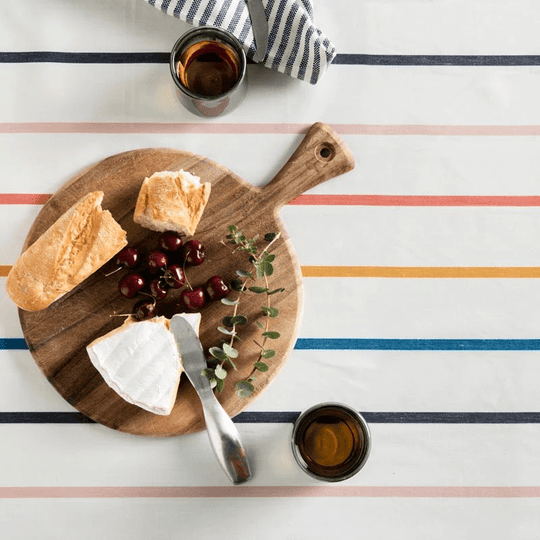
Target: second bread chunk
[{"x": 172, "y": 201}]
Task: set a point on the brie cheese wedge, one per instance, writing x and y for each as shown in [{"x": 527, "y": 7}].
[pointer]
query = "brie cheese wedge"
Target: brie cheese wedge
[{"x": 140, "y": 361}]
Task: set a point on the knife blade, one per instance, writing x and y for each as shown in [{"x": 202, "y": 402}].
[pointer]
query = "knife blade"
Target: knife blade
[
  {"x": 259, "y": 24},
  {"x": 222, "y": 432}
]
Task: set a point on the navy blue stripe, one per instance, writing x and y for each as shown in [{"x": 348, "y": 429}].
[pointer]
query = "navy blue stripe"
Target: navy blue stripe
[
  {"x": 340, "y": 59},
  {"x": 366, "y": 344},
  {"x": 85, "y": 57},
  {"x": 283, "y": 417},
  {"x": 436, "y": 60},
  {"x": 207, "y": 12}
]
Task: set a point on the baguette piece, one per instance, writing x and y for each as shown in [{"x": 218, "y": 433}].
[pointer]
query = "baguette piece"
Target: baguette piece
[
  {"x": 172, "y": 201},
  {"x": 76, "y": 245},
  {"x": 140, "y": 362}
]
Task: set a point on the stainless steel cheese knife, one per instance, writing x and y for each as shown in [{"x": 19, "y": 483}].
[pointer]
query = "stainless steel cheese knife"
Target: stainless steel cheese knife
[
  {"x": 222, "y": 432},
  {"x": 259, "y": 24}
]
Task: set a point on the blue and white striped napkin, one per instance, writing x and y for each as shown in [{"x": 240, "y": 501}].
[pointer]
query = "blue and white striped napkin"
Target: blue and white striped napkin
[{"x": 295, "y": 45}]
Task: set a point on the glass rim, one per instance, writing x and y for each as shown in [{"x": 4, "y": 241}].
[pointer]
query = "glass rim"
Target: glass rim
[{"x": 210, "y": 32}]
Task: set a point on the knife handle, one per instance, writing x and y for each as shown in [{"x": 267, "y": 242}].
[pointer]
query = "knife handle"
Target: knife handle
[{"x": 225, "y": 441}]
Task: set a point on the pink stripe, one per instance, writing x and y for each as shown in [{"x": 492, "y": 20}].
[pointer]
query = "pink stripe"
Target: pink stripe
[
  {"x": 417, "y": 200},
  {"x": 271, "y": 492},
  {"x": 264, "y": 128},
  {"x": 351, "y": 200}
]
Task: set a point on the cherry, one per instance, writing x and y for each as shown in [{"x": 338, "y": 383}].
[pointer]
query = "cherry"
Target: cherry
[
  {"x": 144, "y": 309},
  {"x": 170, "y": 241},
  {"x": 193, "y": 299},
  {"x": 216, "y": 288},
  {"x": 158, "y": 288},
  {"x": 127, "y": 257},
  {"x": 174, "y": 276},
  {"x": 157, "y": 260},
  {"x": 130, "y": 284},
  {"x": 194, "y": 252}
]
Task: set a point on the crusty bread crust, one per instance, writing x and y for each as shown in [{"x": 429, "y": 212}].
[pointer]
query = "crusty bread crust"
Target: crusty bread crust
[
  {"x": 76, "y": 245},
  {"x": 171, "y": 201}
]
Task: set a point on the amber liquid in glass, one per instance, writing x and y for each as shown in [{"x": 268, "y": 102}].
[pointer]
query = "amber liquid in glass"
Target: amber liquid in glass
[
  {"x": 329, "y": 441},
  {"x": 209, "y": 68}
]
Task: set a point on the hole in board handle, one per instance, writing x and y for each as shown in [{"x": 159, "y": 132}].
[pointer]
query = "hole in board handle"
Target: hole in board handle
[{"x": 325, "y": 152}]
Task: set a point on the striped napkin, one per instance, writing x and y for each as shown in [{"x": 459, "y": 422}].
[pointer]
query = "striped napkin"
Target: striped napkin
[{"x": 295, "y": 45}]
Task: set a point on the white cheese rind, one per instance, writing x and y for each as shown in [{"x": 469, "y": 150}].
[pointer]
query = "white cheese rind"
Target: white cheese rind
[{"x": 140, "y": 361}]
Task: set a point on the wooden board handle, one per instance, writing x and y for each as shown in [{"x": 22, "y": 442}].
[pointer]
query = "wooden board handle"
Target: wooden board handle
[{"x": 321, "y": 155}]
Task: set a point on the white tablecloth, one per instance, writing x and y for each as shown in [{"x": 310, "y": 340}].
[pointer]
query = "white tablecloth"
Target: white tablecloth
[{"x": 421, "y": 273}]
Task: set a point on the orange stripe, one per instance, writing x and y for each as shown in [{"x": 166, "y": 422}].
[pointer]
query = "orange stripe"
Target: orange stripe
[
  {"x": 421, "y": 271},
  {"x": 405, "y": 271},
  {"x": 270, "y": 492}
]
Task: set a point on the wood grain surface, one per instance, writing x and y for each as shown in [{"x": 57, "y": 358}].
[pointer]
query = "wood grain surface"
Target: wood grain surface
[{"x": 57, "y": 336}]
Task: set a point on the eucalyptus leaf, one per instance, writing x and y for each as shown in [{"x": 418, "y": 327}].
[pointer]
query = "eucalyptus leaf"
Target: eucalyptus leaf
[
  {"x": 232, "y": 228},
  {"x": 233, "y": 365},
  {"x": 220, "y": 372},
  {"x": 238, "y": 319},
  {"x": 227, "y": 321},
  {"x": 229, "y": 302},
  {"x": 272, "y": 312},
  {"x": 258, "y": 290},
  {"x": 213, "y": 383},
  {"x": 208, "y": 373},
  {"x": 261, "y": 366},
  {"x": 261, "y": 326},
  {"x": 220, "y": 384},
  {"x": 271, "y": 335},
  {"x": 218, "y": 353},
  {"x": 243, "y": 273},
  {"x": 237, "y": 285},
  {"x": 231, "y": 352},
  {"x": 268, "y": 269},
  {"x": 269, "y": 257},
  {"x": 224, "y": 330},
  {"x": 268, "y": 353},
  {"x": 269, "y": 236},
  {"x": 244, "y": 389},
  {"x": 276, "y": 291}
]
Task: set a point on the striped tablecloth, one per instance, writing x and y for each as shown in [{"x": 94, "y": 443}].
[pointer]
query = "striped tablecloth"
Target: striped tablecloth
[{"x": 421, "y": 273}]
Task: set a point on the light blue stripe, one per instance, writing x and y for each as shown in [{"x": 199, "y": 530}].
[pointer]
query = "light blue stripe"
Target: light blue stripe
[
  {"x": 366, "y": 344},
  {"x": 418, "y": 344}
]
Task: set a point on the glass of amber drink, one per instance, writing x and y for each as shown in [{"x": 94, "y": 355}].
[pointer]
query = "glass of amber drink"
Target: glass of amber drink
[
  {"x": 331, "y": 441},
  {"x": 208, "y": 67}
]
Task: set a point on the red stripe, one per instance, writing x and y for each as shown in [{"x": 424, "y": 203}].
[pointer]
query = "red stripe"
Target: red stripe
[
  {"x": 24, "y": 198},
  {"x": 266, "y": 128},
  {"x": 418, "y": 200},
  {"x": 92, "y": 492},
  {"x": 352, "y": 200}
]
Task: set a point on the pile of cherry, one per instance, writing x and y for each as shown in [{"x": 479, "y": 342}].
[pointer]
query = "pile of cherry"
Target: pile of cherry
[{"x": 162, "y": 270}]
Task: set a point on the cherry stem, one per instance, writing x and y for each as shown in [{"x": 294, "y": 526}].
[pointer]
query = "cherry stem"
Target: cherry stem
[
  {"x": 185, "y": 275},
  {"x": 114, "y": 271}
]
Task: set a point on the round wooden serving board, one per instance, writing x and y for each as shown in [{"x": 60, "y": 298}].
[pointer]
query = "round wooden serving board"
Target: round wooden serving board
[{"x": 57, "y": 336}]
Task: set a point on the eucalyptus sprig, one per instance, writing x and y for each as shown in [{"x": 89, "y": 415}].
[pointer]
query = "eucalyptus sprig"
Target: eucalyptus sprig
[{"x": 262, "y": 268}]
